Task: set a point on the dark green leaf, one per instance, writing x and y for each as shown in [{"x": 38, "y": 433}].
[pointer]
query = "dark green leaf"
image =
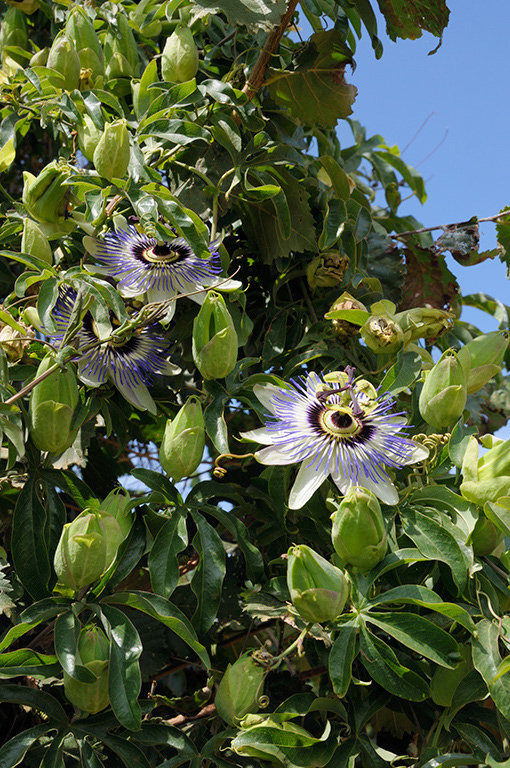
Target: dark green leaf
[
  {"x": 29, "y": 541},
  {"x": 420, "y": 635},
  {"x": 251, "y": 13},
  {"x": 27, "y": 662},
  {"x": 383, "y": 666},
  {"x": 171, "y": 539},
  {"x": 435, "y": 542},
  {"x": 124, "y": 677},
  {"x": 341, "y": 656},
  {"x": 342, "y": 183},
  {"x": 486, "y": 658},
  {"x": 208, "y": 577},
  {"x": 166, "y": 613},
  {"x": 404, "y": 373},
  {"x": 157, "y": 482},
  {"x": 33, "y": 698},
  {"x": 13, "y": 751},
  {"x": 67, "y": 633},
  {"x": 252, "y": 556}
]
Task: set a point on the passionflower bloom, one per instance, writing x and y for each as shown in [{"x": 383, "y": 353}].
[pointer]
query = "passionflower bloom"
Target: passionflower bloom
[
  {"x": 334, "y": 427},
  {"x": 130, "y": 363},
  {"x": 160, "y": 269}
]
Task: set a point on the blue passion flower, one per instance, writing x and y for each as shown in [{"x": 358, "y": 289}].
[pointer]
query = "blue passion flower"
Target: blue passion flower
[
  {"x": 130, "y": 363},
  {"x": 336, "y": 428},
  {"x": 159, "y": 269}
]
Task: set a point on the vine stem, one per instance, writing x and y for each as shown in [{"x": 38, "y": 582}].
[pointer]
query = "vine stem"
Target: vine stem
[
  {"x": 258, "y": 72},
  {"x": 277, "y": 659},
  {"x": 457, "y": 225}
]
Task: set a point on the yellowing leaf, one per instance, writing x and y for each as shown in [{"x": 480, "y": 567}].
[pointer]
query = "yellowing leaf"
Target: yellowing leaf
[{"x": 7, "y": 155}]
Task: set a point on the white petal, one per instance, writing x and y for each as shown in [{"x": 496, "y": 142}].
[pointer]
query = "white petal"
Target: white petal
[
  {"x": 199, "y": 298},
  {"x": 260, "y": 435},
  {"x": 169, "y": 369},
  {"x": 419, "y": 453},
  {"x": 138, "y": 396},
  {"x": 158, "y": 294},
  {"x": 308, "y": 480},
  {"x": 91, "y": 244},
  {"x": 129, "y": 293},
  {"x": 88, "y": 377},
  {"x": 384, "y": 490},
  {"x": 264, "y": 393},
  {"x": 272, "y": 455},
  {"x": 222, "y": 284},
  {"x": 95, "y": 268}
]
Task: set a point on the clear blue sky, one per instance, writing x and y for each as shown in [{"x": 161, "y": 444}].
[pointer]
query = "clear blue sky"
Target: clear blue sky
[{"x": 463, "y": 94}]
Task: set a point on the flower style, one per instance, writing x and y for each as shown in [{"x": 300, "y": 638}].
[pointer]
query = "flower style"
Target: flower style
[
  {"x": 334, "y": 427},
  {"x": 160, "y": 269},
  {"x": 130, "y": 363}
]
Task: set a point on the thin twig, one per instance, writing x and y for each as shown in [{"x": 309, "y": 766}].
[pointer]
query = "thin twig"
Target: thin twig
[
  {"x": 458, "y": 225},
  {"x": 258, "y": 72}
]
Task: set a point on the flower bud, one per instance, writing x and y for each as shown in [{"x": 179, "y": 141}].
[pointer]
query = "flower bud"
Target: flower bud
[
  {"x": 485, "y": 537},
  {"x": 214, "y": 343},
  {"x": 179, "y": 60},
  {"x": 424, "y": 322},
  {"x": 63, "y": 58},
  {"x": 486, "y": 479},
  {"x": 443, "y": 396},
  {"x": 318, "y": 589},
  {"x": 326, "y": 270},
  {"x": 183, "y": 441},
  {"x": 359, "y": 532},
  {"x": 53, "y": 403},
  {"x": 80, "y": 30},
  {"x": 40, "y": 58},
  {"x": 46, "y": 197},
  {"x": 35, "y": 242},
  {"x": 382, "y": 334},
  {"x": 87, "y": 548},
  {"x": 121, "y": 51},
  {"x": 482, "y": 358},
  {"x": 93, "y": 653},
  {"x": 89, "y": 136},
  {"x": 13, "y": 32},
  {"x": 343, "y": 328},
  {"x": 91, "y": 67},
  {"x": 240, "y": 689},
  {"x": 117, "y": 504},
  {"x": 111, "y": 156},
  {"x": 12, "y": 341}
]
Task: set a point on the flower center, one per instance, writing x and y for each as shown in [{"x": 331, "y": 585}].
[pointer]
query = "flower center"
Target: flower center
[
  {"x": 340, "y": 422},
  {"x": 162, "y": 252}
]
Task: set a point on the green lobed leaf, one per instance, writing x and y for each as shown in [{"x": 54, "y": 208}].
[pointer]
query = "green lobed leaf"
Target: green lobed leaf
[
  {"x": 315, "y": 91},
  {"x": 407, "y": 20},
  {"x": 251, "y": 13}
]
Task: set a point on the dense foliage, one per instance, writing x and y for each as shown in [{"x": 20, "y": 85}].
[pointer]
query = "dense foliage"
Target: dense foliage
[{"x": 193, "y": 266}]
